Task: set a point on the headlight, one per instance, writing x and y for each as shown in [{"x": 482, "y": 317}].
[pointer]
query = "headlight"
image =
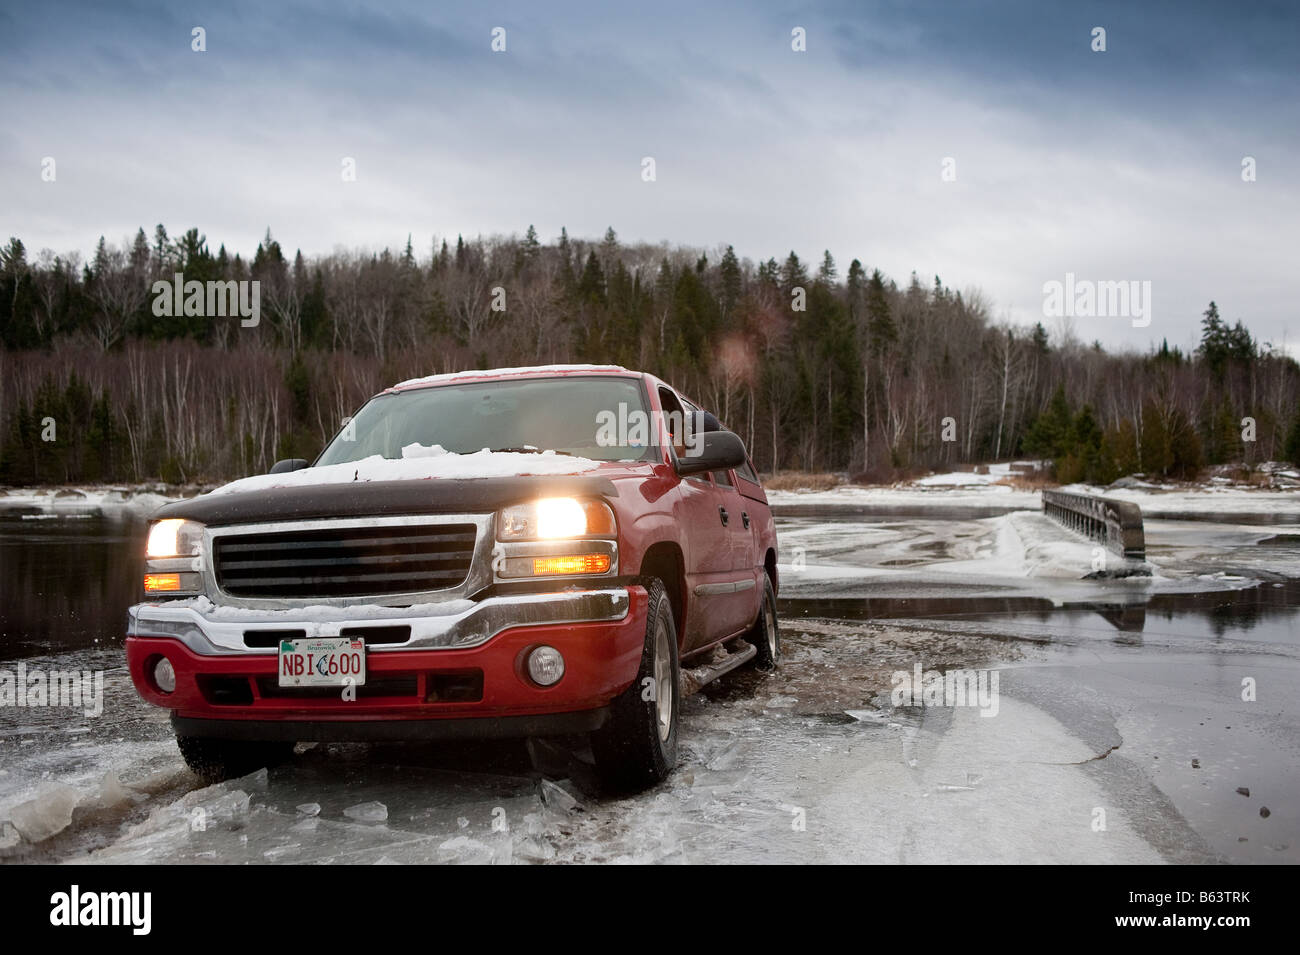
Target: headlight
[
  {"x": 555, "y": 517},
  {"x": 174, "y": 558},
  {"x": 174, "y": 538}
]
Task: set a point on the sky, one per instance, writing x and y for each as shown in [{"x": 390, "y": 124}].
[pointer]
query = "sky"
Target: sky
[{"x": 986, "y": 143}]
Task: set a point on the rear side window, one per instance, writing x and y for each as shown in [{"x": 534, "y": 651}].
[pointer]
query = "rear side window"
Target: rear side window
[
  {"x": 747, "y": 472},
  {"x": 672, "y": 415},
  {"x": 675, "y": 410}
]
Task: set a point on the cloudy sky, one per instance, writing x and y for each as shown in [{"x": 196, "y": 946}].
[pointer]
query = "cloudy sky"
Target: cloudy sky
[{"x": 1116, "y": 165}]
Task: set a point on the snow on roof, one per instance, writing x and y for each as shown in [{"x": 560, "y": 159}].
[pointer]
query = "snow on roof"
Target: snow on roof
[
  {"x": 419, "y": 463},
  {"x": 506, "y": 372}
]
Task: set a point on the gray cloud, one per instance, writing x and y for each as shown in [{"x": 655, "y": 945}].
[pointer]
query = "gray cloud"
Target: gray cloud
[{"x": 1117, "y": 165}]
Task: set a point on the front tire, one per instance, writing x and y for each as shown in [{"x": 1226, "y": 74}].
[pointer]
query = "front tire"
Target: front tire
[
  {"x": 215, "y": 760},
  {"x": 637, "y": 748}
]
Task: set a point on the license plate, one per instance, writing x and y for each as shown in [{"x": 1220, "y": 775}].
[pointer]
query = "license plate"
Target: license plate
[{"x": 323, "y": 661}]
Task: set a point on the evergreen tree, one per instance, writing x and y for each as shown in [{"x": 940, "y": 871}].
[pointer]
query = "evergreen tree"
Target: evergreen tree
[
  {"x": 1051, "y": 433},
  {"x": 1038, "y": 338},
  {"x": 793, "y": 274},
  {"x": 140, "y": 253},
  {"x": 1215, "y": 344},
  {"x": 729, "y": 273},
  {"x": 826, "y": 273},
  {"x": 591, "y": 287},
  {"x": 1291, "y": 448},
  {"x": 161, "y": 248},
  {"x": 530, "y": 247}
]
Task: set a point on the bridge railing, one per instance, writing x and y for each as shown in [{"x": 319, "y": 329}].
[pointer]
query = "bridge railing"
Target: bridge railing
[{"x": 1116, "y": 524}]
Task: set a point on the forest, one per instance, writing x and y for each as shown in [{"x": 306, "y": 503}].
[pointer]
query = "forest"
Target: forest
[{"x": 818, "y": 368}]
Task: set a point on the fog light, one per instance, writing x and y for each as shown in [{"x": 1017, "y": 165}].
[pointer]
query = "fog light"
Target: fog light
[
  {"x": 546, "y": 666},
  {"x": 164, "y": 675}
]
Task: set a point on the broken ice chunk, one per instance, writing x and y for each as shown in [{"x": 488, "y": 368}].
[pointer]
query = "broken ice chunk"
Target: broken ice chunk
[
  {"x": 535, "y": 849},
  {"x": 556, "y": 796},
  {"x": 367, "y": 812},
  {"x": 46, "y": 815}
]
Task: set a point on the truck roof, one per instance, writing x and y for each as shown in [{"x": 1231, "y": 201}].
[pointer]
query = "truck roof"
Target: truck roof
[{"x": 533, "y": 371}]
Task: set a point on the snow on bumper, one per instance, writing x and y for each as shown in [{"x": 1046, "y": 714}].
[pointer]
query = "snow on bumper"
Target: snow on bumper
[{"x": 466, "y": 663}]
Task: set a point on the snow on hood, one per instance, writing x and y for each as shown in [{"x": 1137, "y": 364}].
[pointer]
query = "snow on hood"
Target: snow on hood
[{"x": 420, "y": 463}]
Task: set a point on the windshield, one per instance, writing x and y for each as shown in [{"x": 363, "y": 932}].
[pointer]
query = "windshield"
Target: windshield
[{"x": 573, "y": 415}]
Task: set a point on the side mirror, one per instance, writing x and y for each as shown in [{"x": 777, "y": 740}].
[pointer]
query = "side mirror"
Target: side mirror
[
  {"x": 707, "y": 421},
  {"x": 289, "y": 464},
  {"x": 717, "y": 451}
]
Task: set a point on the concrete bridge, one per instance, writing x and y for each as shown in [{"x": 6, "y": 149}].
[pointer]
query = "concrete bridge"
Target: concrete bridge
[{"x": 1116, "y": 524}]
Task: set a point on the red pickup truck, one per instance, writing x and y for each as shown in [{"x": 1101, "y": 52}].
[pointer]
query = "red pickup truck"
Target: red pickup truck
[{"x": 511, "y": 553}]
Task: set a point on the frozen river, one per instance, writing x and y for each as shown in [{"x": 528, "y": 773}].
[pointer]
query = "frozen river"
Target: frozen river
[{"x": 1120, "y": 732}]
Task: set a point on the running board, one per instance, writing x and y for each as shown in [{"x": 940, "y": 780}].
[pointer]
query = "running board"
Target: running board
[{"x": 693, "y": 678}]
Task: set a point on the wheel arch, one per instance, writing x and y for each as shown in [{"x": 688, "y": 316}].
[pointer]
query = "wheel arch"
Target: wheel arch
[{"x": 663, "y": 559}]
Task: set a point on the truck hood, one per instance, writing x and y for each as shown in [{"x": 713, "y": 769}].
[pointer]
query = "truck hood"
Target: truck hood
[
  {"x": 384, "y": 498},
  {"x": 379, "y": 498}
]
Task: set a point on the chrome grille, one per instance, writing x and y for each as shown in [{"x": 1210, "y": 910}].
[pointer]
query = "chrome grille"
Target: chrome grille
[{"x": 377, "y": 560}]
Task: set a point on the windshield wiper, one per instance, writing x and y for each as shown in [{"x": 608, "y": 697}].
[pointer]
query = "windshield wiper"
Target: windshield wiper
[{"x": 528, "y": 449}]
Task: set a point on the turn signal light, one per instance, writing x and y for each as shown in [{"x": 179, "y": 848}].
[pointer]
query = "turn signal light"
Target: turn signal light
[
  {"x": 572, "y": 564},
  {"x": 157, "y": 583}
]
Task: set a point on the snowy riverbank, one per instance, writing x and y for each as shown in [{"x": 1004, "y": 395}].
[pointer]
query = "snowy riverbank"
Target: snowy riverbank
[
  {"x": 996, "y": 492},
  {"x": 91, "y": 501}
]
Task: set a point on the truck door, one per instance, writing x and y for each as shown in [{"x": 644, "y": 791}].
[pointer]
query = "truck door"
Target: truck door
[
  {"x": 738, "y": 522},
  {"x": 707, "y": 547}
]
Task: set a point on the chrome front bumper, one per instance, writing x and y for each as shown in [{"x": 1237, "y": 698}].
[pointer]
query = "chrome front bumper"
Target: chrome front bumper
[{"x": 208, "y": 629}]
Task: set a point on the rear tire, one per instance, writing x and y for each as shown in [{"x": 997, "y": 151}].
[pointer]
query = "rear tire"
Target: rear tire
[
  {"x": 637, "y": 748},
  {"x": 765, "y": 635},
  {"x": 215, "y": 760}
]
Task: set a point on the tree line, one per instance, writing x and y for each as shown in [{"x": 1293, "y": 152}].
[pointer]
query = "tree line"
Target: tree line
[{"x": 816, "y": 370}]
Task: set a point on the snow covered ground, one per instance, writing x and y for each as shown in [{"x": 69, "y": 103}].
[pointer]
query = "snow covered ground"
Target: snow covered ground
[
  {"x": 1019, "y": 555},
  {"x": 1207, "y": 499},
  {"x": 773, "y": 769},
  {"x": 987, "y": 475},
  {"x": 98, "y": 501},
  {"x": 811, "y": 764},
  {"x": 946, "y": 495},
  {"x": 967, "y": 490}
]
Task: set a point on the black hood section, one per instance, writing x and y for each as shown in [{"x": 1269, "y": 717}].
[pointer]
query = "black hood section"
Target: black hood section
[{"x": 380, "y": 498}]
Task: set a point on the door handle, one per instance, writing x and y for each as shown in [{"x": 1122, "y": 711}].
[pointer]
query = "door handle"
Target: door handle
[
  {"x": 744, "y": 517},
  {"x": 722, "y": 512}
]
